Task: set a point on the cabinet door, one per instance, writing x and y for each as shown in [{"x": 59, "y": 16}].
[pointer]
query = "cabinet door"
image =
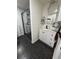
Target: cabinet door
[
  {"x": 51, "y": 36},
  {"x": 42, "y": 36},
  {"x": 45, "y": 37}
]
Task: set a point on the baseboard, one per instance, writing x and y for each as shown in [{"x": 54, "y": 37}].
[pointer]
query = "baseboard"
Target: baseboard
[{"x": 33, "y": 41}]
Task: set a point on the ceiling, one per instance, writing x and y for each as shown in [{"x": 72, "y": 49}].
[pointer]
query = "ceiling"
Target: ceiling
[
  {"x": 44, "y": 1},
  {"x": 23, "y": 4}
]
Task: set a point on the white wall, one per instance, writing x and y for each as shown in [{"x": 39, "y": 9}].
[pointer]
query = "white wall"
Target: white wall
[
  {"x": 52, "y": 8},
  {"x": 59, "y": 15},
  {"x": 36, "y": 12},
  {"x": 45, "y": 9}
]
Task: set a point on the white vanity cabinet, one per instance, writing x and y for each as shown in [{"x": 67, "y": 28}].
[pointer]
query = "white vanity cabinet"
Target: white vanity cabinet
[
  {"x": 47, "y": 36},
  {"x": 39, "y": 9}
]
